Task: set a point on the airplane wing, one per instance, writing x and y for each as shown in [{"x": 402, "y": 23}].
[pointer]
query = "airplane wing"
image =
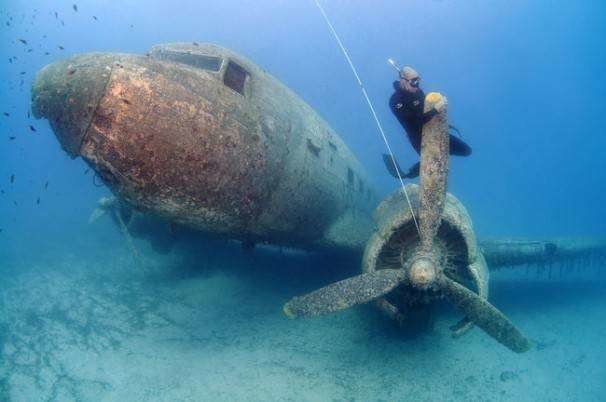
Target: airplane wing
[{"x": 503, "y": 253}]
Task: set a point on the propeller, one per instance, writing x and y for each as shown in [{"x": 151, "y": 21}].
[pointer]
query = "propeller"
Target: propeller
[{"x": 422, "y": 270}]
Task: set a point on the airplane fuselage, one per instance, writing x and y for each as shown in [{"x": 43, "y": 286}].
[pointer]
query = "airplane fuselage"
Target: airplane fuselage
[{"x": 201, "y": 136}]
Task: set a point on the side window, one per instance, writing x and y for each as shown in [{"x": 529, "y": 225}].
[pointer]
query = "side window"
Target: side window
[{"x": 235, "y": 77}]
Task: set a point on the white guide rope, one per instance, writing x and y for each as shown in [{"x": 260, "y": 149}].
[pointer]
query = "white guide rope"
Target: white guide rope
[{"x": 372, "y": 109}]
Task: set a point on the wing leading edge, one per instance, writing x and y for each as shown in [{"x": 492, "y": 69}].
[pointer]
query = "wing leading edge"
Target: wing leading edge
[{"x": 502, "y": 253}]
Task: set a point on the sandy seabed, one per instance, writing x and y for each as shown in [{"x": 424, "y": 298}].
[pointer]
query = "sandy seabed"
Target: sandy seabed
[{"x": 98, "y": 326}]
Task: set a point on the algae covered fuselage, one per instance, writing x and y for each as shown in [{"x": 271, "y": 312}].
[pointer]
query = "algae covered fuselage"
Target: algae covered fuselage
[{"x": 201, "y": 136}]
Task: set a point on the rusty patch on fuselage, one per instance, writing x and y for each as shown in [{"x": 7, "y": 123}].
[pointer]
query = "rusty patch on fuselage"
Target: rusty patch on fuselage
[{"x": 173, "y": 150}]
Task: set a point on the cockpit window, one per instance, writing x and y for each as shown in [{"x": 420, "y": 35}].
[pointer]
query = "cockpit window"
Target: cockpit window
[
  {"x": 235, "y": 77},
  {"x": 202, "y": 61}
]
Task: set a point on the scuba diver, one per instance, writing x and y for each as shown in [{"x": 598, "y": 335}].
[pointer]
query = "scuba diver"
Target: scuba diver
[{"x": 407, "y": 104}]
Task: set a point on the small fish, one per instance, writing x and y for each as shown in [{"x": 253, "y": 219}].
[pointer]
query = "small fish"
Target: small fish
[
  {"x": 22, "y": 41},
  {"x": 1, "y": 191},
  {"x": 95, "y": 18},
  {"x": 71, "y": 71},
  {"x": 62, "y": 23},
  {"x": 132, "y": 26},
  {"x": 22, "y": 73},
  {"x": 11, "y": 138},
  {"x": 38, "y": 201},
  {"x": 126, "y": 101},
  {"x": 86, "y": 171},
  {"x": 196, "y": 44},
  {"x": 28, "y": 115},
  {"x": 56, "y": 15},
  {"x": 1, "y": 230},
  {"x": 46, "y": 53},
  {"x": 12, "y": 178},
  {"x": 10, "y": 60},
  {"x": 7, "y": 114},
  {"x": 32, "y": 128},
  {"x": 61, "y": 47},
  {"x": 15, "y": 202},
  {"x": 46, "y": 185},
  {"x": 30, "y": 50},
  {"x": 75, "y": 7}
]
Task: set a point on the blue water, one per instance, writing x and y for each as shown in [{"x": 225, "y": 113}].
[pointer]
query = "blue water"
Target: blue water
[{"x": 525, "y": 84}]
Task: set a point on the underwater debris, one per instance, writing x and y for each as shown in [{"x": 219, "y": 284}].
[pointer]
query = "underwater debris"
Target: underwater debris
[{"x": 122, "y": 214}]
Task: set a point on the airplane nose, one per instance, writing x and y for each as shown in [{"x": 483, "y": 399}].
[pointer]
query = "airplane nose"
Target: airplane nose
[{"x": 67, "y": 93}]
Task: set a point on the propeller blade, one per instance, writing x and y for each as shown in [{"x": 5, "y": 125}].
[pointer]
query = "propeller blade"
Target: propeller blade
[
  {"x": 434, "y": 171},
  {"x": 346, "y": 293},
  {"x": 484, "y": 315}
]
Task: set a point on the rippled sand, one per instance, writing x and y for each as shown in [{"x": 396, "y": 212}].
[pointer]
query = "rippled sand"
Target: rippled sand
[{"x": 208, "y": 326}]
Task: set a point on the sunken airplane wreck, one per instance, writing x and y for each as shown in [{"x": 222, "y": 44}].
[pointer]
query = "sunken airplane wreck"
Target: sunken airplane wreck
[{"x": 201, "y": 137}]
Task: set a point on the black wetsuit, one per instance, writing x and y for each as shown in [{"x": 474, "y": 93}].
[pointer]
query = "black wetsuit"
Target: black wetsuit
[{"x": 408, "y": 109}]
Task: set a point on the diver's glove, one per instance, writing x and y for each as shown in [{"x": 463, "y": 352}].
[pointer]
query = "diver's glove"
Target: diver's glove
[{"x": 440, "y": 105}]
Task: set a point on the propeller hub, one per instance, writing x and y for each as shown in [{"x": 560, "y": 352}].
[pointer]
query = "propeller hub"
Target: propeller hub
[{"x": 422, "y": 272}]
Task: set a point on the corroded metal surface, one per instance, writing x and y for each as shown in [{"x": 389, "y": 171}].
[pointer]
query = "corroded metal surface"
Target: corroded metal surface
[
  {"x": 169, "y": 137},
  {"x": 486, "y": 316},
  {"x": 433, "y": 170},
  {"x": 396, "y": 233},
  {"x": 454, "y": 267},
  {"x": 67, "y": 93},
  {"x": 349, "y": 292},
  {"x": 501, "y": 253}
]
